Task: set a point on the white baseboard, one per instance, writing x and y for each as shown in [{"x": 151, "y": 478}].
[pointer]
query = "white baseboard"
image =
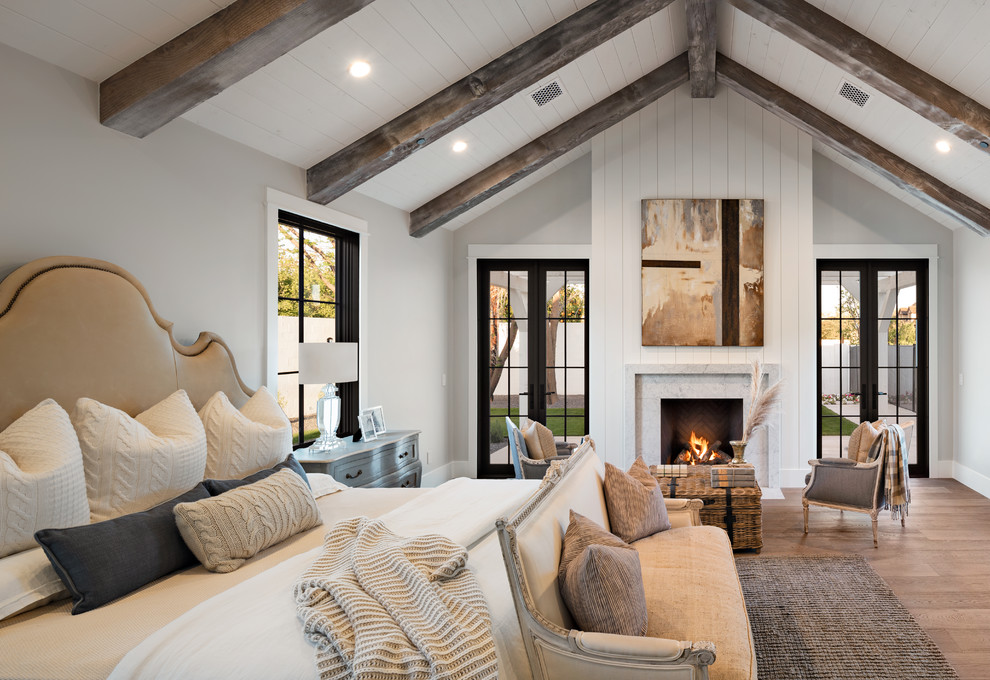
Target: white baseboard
[
  {"x": 942, "y": 469},
  {"x": 446, "y": 472},
  {"x": 977, "y": 481}
]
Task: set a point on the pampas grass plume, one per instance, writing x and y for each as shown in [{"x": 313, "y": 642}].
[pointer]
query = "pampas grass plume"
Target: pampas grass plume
[{"x": 762, "y": 401}]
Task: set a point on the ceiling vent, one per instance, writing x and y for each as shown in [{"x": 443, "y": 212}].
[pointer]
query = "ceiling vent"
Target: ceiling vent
[
  {"x": 547, "y": 93},
  {"x": 853, "y": 94}
]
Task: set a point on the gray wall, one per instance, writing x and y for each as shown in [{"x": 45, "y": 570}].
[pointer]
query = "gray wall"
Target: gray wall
[
  {"x": 850, "y": 210},
  {"x": 554, "y": 211}
]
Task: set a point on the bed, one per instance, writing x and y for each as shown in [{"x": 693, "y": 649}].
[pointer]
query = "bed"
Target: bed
[{"x": 74, "y": 327}]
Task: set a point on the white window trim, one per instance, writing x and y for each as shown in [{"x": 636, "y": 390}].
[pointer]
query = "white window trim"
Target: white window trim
[{"x": 277, "y": 200}]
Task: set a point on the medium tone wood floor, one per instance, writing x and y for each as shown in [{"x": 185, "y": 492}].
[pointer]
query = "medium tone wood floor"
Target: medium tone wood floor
[{"x": 938, "y": 565}]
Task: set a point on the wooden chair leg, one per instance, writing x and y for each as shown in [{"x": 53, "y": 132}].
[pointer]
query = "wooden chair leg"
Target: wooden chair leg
[
  {"x": 805, "y": 504},
  {"x": 875, "y": 543},
  {"x": 902, "y": 520}
]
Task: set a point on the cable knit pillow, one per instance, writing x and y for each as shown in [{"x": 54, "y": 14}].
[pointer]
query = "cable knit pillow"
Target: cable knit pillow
[
  {"x": 635, "y": 505},
  {"x": 133, "y": 464},
  {"x": 224, "y": 531},
  {"x": 41, "y": 477},
  {"x": 242, "y": 442}
]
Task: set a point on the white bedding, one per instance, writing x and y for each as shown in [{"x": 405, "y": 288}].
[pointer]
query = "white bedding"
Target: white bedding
[{"x": 251, "y": 630}]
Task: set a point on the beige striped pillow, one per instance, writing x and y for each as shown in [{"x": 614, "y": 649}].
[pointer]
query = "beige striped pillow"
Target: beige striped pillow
[
  {"x": 635, "y": 510},
  {"x": 603, "y": 589},
  {"x": 582, "y": 532}
]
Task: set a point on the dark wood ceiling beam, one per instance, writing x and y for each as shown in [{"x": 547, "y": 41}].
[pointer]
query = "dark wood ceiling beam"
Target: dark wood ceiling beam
[
  {"x": 875, "y": 65},
  {"x": 521, "y": 67},
  {"x": 701, "y": 28},
  {"x": 210, "y": 57},
  {"x": 533, "y": 156},
  {"x": 854, "y": 146}
]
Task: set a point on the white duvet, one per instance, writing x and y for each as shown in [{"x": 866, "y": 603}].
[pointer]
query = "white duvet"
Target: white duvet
[{"x": 251, "y": 630}]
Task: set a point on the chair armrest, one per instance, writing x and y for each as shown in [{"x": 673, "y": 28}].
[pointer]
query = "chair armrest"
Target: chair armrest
[
  {"x": 630, "y": 645},
  {"x": 834, "y": 462},
  {"x": 565, "y": 448},
  {"x": 683, "y": 512}
]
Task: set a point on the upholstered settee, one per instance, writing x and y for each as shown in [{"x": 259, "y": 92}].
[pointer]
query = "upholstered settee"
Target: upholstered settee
[{"x": 697, "y": 622}]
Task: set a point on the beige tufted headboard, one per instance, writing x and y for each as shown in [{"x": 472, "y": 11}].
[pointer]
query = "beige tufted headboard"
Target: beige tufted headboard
[{"x": 75, "y": 327}]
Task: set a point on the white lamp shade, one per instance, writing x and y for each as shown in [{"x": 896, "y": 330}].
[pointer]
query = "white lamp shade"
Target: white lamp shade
[{"x": 328, "y": 362}]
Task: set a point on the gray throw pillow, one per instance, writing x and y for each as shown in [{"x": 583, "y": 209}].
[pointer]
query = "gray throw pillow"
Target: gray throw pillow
[
  {"x": 103, "y": 561},
  {"x": 219, "y": 486},
  {"x": 603, "y": 589},
  {"x": 635, "y": 510},
  {"x": 582, "y": 532}
]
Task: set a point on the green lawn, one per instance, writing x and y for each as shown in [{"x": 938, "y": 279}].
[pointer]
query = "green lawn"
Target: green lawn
[
  {"x": 830, "y": 425},
  {"x": 555, "y": 421}
]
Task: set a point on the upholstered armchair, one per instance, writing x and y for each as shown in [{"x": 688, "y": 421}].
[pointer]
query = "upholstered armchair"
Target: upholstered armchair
[
  {"x": 846, "y": 484},
  {"x": 526, "y": 467}
]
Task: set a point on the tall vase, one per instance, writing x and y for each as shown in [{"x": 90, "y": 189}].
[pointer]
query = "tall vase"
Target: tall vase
[{"x": 739, "y": 451}]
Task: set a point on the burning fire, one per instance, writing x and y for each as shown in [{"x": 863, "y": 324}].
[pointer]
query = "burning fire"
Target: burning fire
[{"x": 698, "y": 452}]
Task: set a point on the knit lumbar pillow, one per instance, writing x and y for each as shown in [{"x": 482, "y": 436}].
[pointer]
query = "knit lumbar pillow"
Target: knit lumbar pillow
[
  {"x": 41, "y": 477},
  {"x": 133, "y": 464},
  {"x": 241, "y": 442},
  {"x": 225, "y": 530},
  {"x": 635, "y": 508},
  {"x": 603, "y": 589},
  {"x": 539, "y": 441}
]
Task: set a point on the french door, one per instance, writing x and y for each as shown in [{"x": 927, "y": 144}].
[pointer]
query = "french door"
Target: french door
[
  {"x": 532, "y": 352},
  {"x": 873, "y": 351}
]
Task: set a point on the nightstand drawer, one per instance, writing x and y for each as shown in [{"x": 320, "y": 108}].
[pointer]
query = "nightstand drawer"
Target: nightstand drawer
[
  {"x": 392, "y": 460},
  {"x": 409, "y": 477},
  {"x": 404, "y": 453}
]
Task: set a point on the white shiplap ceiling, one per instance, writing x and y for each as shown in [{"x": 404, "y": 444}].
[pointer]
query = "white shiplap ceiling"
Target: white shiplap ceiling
[{"x": 305, "y": 106}]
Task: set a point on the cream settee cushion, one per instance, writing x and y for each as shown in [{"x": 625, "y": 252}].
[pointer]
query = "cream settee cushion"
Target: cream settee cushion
[
  {"x": 133, "y": 464},
  {"x": 41, "y": 477},
  {"x": 241, "y": 442}
]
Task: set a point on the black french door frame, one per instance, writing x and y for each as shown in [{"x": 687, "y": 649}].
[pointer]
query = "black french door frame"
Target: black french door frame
[
  {"x": 536, "y": 303},
  {"x": 870, "y": 365}
]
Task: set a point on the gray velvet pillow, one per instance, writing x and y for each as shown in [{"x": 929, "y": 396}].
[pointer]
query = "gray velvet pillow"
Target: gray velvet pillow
[
  {"x": 635, "y": 509},
  {"x": 603, "y": 589}
]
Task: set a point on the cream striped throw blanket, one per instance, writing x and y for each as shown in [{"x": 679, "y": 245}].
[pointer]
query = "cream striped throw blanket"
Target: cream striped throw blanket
[{"x": 377, "y": 605}]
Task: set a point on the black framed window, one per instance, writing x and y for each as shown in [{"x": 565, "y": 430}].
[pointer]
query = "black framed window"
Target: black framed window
[{"x": 318, "y": 270}]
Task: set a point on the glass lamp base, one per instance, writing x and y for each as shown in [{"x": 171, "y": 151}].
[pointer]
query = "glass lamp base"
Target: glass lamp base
[{"x": 327, "y": 419}]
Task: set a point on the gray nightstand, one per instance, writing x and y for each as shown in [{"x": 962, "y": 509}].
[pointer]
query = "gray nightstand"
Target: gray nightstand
[{"x": 392, "y": 460}]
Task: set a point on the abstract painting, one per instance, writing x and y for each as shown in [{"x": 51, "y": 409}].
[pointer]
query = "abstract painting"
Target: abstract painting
[{"x": 703, "y": 272}]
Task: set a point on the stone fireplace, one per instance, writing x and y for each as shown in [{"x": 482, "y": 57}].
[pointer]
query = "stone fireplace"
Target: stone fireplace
[{"x": 648, "y": 386}]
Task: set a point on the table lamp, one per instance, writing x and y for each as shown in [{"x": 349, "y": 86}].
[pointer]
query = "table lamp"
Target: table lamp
[{"x": 328, "y": 363}]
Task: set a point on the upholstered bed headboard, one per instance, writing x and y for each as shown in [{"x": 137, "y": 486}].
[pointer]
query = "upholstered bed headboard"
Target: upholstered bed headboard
[{"x": 75, "y": 327}]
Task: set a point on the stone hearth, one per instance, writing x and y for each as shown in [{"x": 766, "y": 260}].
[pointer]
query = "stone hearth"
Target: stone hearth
[{"x": 646, "y": 385}]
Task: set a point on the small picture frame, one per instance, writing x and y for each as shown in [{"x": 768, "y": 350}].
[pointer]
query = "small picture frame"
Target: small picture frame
[
  {"x": 367, "y": 424},
  {"x": 378, "y": 416}
]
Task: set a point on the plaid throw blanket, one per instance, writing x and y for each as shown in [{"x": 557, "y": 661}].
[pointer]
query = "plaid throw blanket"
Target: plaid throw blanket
[
  {"x": 378, "y": 606},
  {"x": 890, "y": 445}
]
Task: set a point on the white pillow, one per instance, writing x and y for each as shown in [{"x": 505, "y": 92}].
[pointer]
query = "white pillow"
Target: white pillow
[
  {"x": 133, "y": 464},
  {"x": 324, "y": 485},
  {"x": 27, "y": 581},
  {"x": 240, "y": 443},
  {"x": 41, "y": 477}
]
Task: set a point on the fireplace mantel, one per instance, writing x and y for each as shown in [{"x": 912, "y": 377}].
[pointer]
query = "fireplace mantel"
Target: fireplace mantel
[{"x": 646, "y": 385}]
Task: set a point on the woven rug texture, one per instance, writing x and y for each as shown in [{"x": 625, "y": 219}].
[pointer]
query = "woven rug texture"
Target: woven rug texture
[{"x": 833, "y": 618}]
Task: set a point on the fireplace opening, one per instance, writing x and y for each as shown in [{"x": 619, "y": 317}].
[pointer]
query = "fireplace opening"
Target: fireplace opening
[{"x": 714, "y": 420}]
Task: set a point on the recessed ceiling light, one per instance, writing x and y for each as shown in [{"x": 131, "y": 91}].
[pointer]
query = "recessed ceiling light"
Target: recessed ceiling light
[
  {"x": 359, "y": 69},
  {"x": 942, "y": 146},
  {"x": 459, "y": 146}
]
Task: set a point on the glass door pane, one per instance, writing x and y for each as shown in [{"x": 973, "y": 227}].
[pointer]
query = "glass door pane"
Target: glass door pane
[
  {"x": 841, "y": 359},
  {"x": 508, "y": 357},
  {"x": 564, "y": 393},
  {"x": 897, "y": 349}
]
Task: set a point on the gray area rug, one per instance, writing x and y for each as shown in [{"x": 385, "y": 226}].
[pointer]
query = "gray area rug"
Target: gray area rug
[{"x": 833, "y": 618}]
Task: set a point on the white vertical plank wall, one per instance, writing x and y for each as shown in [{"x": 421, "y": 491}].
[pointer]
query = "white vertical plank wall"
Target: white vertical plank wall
[{"x": 724, "y": 147}]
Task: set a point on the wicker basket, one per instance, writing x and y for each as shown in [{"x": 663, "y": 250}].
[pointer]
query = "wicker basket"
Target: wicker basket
[{"x": 736, "y": 509}]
